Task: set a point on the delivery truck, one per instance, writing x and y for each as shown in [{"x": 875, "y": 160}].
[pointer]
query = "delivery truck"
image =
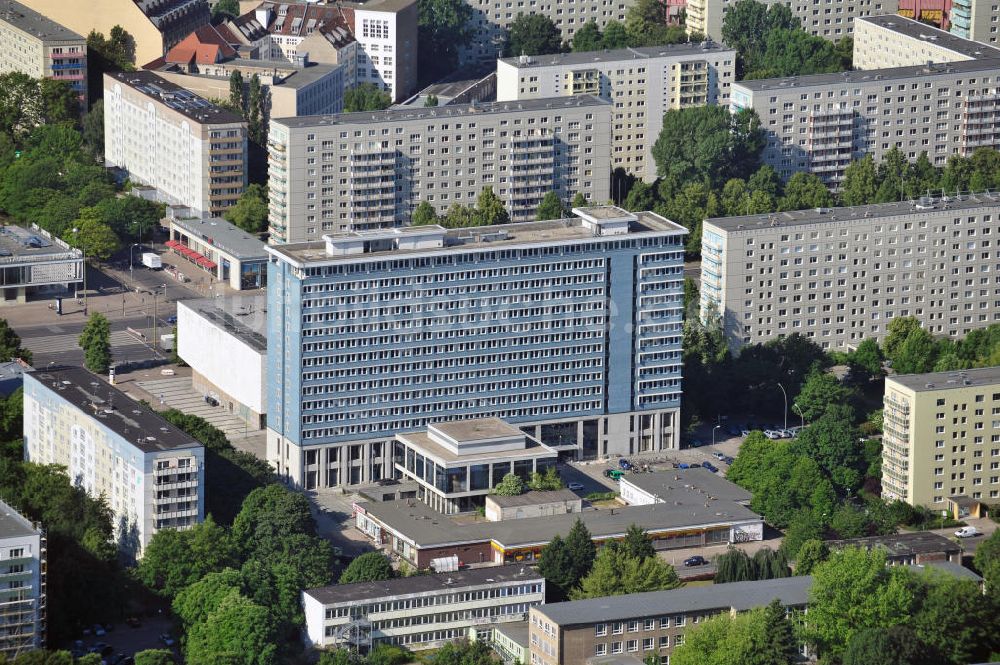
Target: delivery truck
[{"x": 151, "y": 261}]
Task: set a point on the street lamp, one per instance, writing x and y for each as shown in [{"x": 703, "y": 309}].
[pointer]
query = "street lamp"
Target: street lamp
[
  {"x": 131, "y": 275},
  {"x": 83, "y": 255},
  {"x": 785, "y": 395},
  {"x": 713, "y": 433},
  {"x": 798, "y": 409}
]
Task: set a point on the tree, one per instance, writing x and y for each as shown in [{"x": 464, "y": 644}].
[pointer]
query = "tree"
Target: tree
[
  {"x": 443, "y": 28},
  {"x": 510, "y": 485},
  {"x": 832, "y": 442},
  {"x": 637, "y": 542},
  {"x": 431, "y": 101},
  {"x": 154, "y": 657},
  {"x": 256, "y": 113},
  {"x": 369, "y": 567},
  {"x": 550, "y": 207},
  {"x": 987, "y": 562},
  {"x": 707, "y": 143},
  {"x": 424, "y": 215},
  {"x": 193, "y": 604},
  {"x": 780, "y": 643},
  {"x": 174, "y": 560},
  {"x": 238, "y": 632},
  {"x": 548, "y": 481},
  {"x": 20, "y": 104},
  {"x": 956, "y": 621},
  {"x": 615, "y": 35},
  {"x": 556, "y": 567},
  {"x": 645, "y": 25},
  {"x": 581, "y": 548},
  {"x": 579, "y": 200},
  {"x": 792, "y": 52},
  {"x": 803, "y": 526},
  {"x": 10, "y": 344},
  {"x": 898, "y": 645},
  {"x": 366, "y": 97},
  {"x": 95, "y": 340},
  {"x": 237, "y": 91},
  {"x": 860, "y": 182},
  {"x": 226, "y": 8},
  {"x": 762, "y": 636},
  {"x": 616, "y": 572},
  {"x": 733, "y": 566},
  {"x": 533, "y": 34},
  {"x": 588, "y": 38},
  {"x": 250, "y": 212},
  {"x": 812, "y": 553},
  {"x": 93, "y": 236},
  {"x": 866, "y": 361},
  {"x": 60, "y": 103},
  {"x": 851, "y": 591},
  {"x": 805, "y": 190},
  {"x": 117, "y": 51},
  {"x": 820, "y": 391},
  {"x": 916, "y": 355},
  {"x": 490, "y": 209},
  {"x": 463, "y": 652}
]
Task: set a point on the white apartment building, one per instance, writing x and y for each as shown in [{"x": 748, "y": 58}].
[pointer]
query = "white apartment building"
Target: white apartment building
[
  {"x": 897, "y": 41},
  {"x": 193, "y": 152},
  {"x": 830, "y": 19},
  {"x": 840, "y": 275},
  {"x": 22, "y": 584},
  {"x": 641, "y": 83},
  {"x": 421, "y": 611},
  {"x": 376, "y": 41},
  {"x": 820, "y": 123},
  {"x": 975, "y": 19},
  {"x": 151, "y": 473},
  {"x": 37, "y": 46},
  {"x": 491, "y": 19},
  {"x": 357, "y": 171}
]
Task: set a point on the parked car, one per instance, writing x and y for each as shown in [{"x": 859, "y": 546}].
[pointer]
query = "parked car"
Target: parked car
[
  {"x": 683, "y": 465},
  {"x": 719, "y": 456},
  {"x": 614, "y": 474},
  {"x": 696, "y": 560},
  {"x": 576, "y": 487},
  {"x": 711, "y": 467},
  {"x": 625, "y": 464},
  {"x": 166, "y": 639},
  {"x": 694, "y": 465},
  {"x": 728, "y": 460},
  {"x": 745, "y": 433},
  {"x": 695, "y": 443},
  {"x": 967, "y": 532},
  {"x": 98, "y": 630},
  {"x": 771, "y": 434},
  {"x": 732, "y": 430},
  {"x": 171, "y": 320}
]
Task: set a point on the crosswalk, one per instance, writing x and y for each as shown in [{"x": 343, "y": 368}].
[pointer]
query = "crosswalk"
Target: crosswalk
[{"x": 61, "y": 343}]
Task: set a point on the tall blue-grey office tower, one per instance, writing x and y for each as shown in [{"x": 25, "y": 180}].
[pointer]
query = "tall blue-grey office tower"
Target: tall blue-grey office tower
[{"x": 570, "y": 329}]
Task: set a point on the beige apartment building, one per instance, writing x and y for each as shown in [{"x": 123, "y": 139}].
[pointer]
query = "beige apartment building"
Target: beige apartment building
[
  {"x": 641, "y": 83},
  {"x": 41, "y": 48},
  {"x": 155, "y": 25},
  {"x": 830, "y": 19},
  {"x": 975, "y": 19},
  {"x": 840, "y": 275},
  {"x": 636, "y": 627},
  {"x": 820, "y": 123},
  {"x": 358, "y": 171},
  {"x": 896, "y": 41},
  {"x": 193, "y": 152},
  {"x": 941, "y": 443}
]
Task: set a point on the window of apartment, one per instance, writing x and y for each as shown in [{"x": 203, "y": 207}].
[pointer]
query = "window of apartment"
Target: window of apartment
[
  {"x": 616, "y": 647},
  {"x": 633, "y": 646},
  {"x": 618, "y": 627},
  {"x": 633, "y": 626},
  {"x": 601, "y": 629},
  {"x": 600, "y": 649},
  {"x": 648, "y": 644}
]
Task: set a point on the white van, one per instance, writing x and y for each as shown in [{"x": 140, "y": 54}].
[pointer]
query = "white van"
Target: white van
[{"x": 967, "y": 532}]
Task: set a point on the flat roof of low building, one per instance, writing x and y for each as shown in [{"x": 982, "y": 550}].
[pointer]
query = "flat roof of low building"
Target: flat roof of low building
[
  {"x": 427, "y": 527},
  {"x": 477, "y": 429},
  {"x": 13, "y": 524},
  {"x": 224, "y": 236},
  {"x": 290, "y": 75},
  {"x": 18, "y": 243},
  {"x": 467, "y": 111},
  {"x": 577, "y": 58},
  {"x": 416, "y": 585},
  {"x": 811, "y": 216},
  {"x": 740, "y": 596},
  {"x": 687, "y": 485},
  {"x": 175, "y": 97},
  {"x": 479, "y": 238},
  {"x": 932, "y": 35},
  {"x": 901, "y": 544},
  {"x": 136, "y": 423},
  {"x": 534, "y": 497},
  {"x": 515, "y": 631},
  {"x": 242, "y": 316},
  {"x": 797, "y": 83},
  {"x": 428, "y": 446},
  {"x": 965, "y": 378},
  {"x": 38, "y": 25},
  {"x": 951, "y": 568}
]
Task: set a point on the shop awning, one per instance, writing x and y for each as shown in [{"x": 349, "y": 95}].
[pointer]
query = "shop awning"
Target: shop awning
[
  {"x": 172, "y": 244},
  {"x": 205, "y": 262}
]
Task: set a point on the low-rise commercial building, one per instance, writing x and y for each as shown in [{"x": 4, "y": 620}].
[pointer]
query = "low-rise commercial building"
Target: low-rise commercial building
[
  {"x": 456, "y": 464},
  {"x": 222, "y": 339},
  {"x": 151, "y": 473},
  {"x": 370, "y": 170},
  {"x": 840, "y": 275},
  {"x": 642, "y": 83},
  {"x": 154, "y": 25},
  {"x": 223, "y": 250},
  {"x": 832, "y": 19},
  {"x": 193, "y": 152},
  {"x": 936, "y": 447},
  {"x": 641, "y": 625},
  {"x": 907, "y": 548},
  {"x": 569, "y": 329},
  {"x": 36, "y": 45},
  {"x": 679, "y": 485},
  {"x": 896, "y": 41},
  {"x": 820, "y": 123},
  {"x": 532, "y": 504},
  {"x": 417, "y": 533},
  {"x": 422, "y": 611},
  {"x": 22, "y": 584},
  {"x": 204, "y": 62},
  {"x": 33, "y": 263}
]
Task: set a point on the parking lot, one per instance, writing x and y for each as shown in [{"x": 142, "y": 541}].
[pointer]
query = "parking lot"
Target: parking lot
[{"x": 127, "y": 641}]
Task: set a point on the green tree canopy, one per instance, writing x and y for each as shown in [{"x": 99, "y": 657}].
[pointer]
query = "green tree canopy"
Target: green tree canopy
[
  {"x": 588, "y": 38},
  {"x": 616, "y": 572},
  {"x": 489, "y": 208},
  {"x": 820, "y": 391},
  {"x": 556, "y": 567},
  {"x": 443, "y": 28},
  {"x": 250, "y": 212},
  {"x": 226, "y": 8},
  {"x": 155, "y": 657},
  {"x": 369, "y": 567},
  {"x": 10, "y": 344},
  {"x": 832, "y": 442},
  {"x": 812, "y": 553},
  {"x": 238, "y": 632},
  {"x": 366, "y": 97},
  {"x": 510, "y": 485},
  {"x": 424, "y": 214},
  {"x": 898, "y": 645},
  {"x": 95, "y": 340},
  {"x": 645, "y": 25},
  {"x": 533, "y": 34},
  {"x": 550, "y": 207},
  {"x": 762, "y": 636},
  {"x": 803, "y": 191},
  {"x": 174, "y": 559}
]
